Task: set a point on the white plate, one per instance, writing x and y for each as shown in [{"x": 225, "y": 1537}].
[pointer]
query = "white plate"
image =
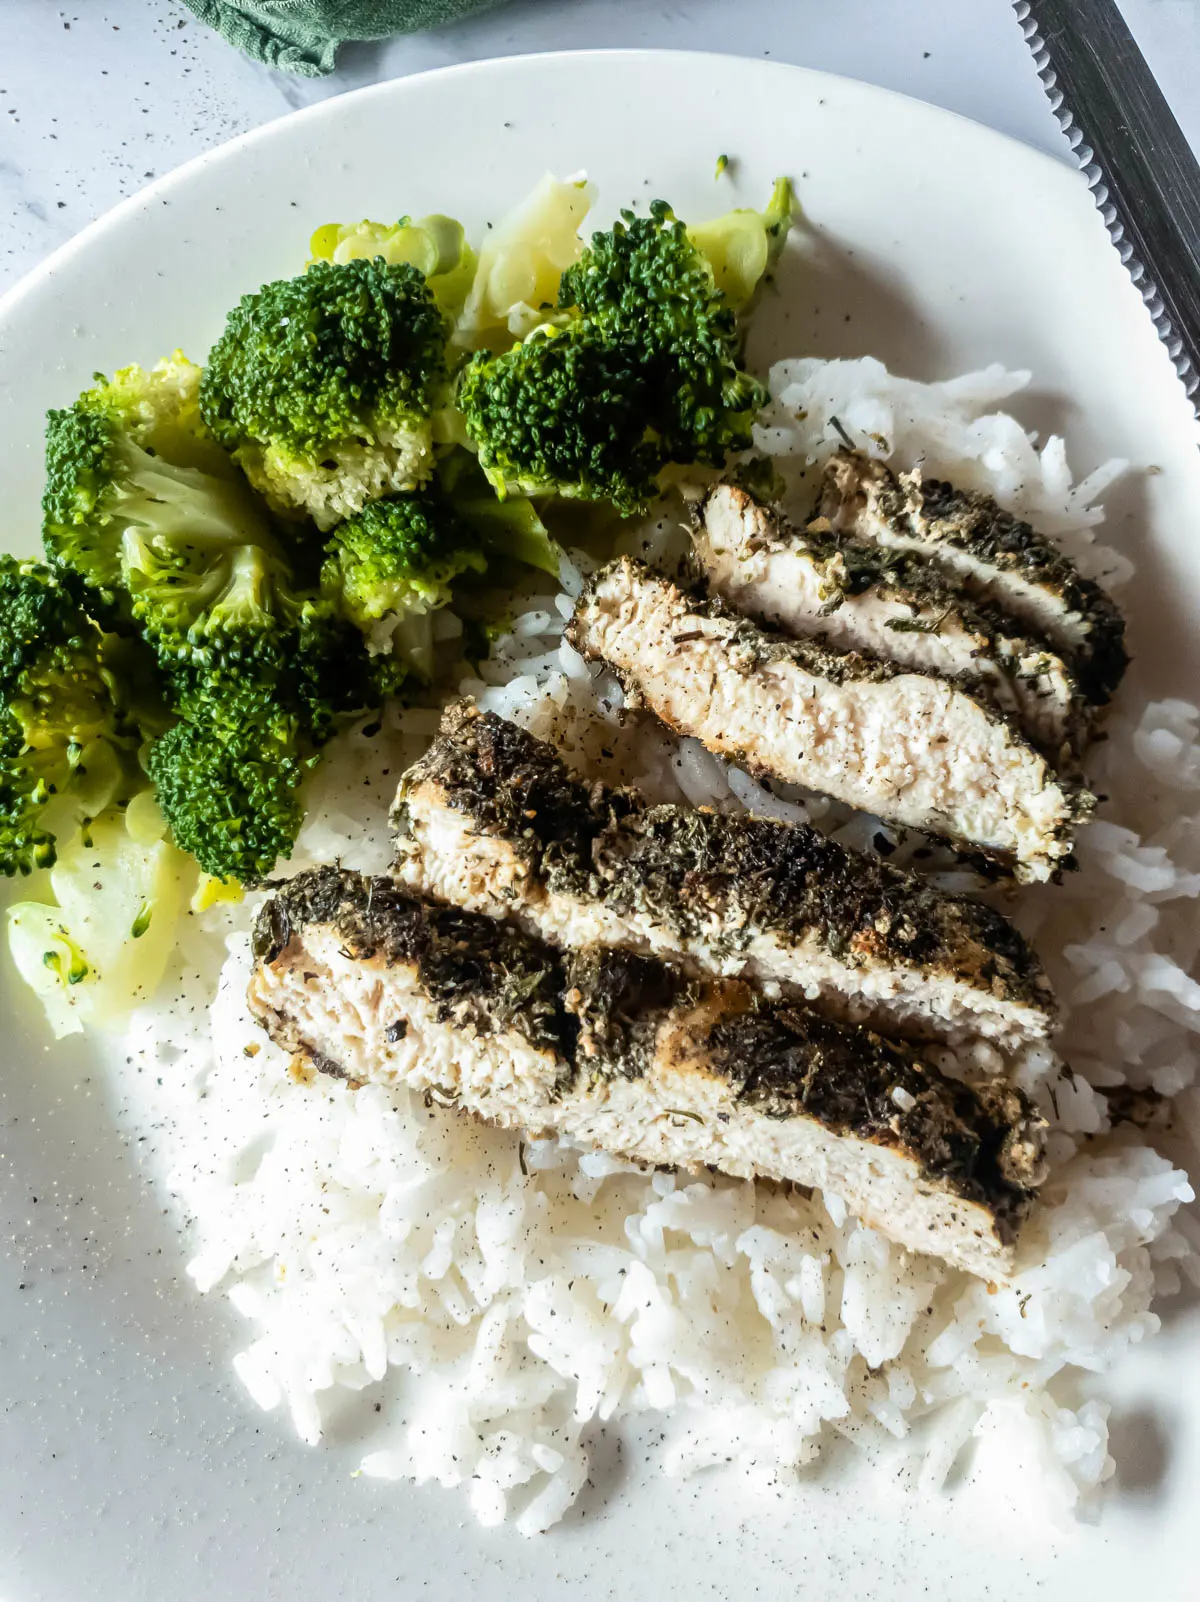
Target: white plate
[{"x": 131, "y": 1464}]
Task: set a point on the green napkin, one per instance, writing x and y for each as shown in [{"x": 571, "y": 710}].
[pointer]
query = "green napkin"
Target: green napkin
[{"x": 303, "y": 35}]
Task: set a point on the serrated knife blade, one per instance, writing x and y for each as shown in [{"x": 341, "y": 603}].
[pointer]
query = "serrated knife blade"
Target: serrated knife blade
[{"x": 1140, "y": 168}]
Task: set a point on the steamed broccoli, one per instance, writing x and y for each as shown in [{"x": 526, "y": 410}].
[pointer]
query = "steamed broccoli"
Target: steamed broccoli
[
  {"x": 392, "y": 566},
  {"x": 257, "y": 674},
  {"x": 402, "y": 554},
  {"x": 227, "y": 778},
  {"x": 640, "y": 371},
  {"x": 327, "y": 392},
  {"x": 64, "y": 730},
  {"x": 181, "y": 553},
  {"x": 645, "y": 288},
  {"x": 36, "y": 614},
  {"x": 509, "y": 528},
  {"x": 252, "y": 715},
  {"x": 333, "y": 673},
  {"x": 324, "y": 386},
  {"x": 204, "y": 605},
  {"x": 398, "y": 555},
  {"x": 132, "y": 460},
  {"x": 148, "y": 511},
  {"x": 565, "y": 412}
]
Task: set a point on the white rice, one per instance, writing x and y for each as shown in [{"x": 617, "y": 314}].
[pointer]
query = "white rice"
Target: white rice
[{"x": 499, "y": 1299}]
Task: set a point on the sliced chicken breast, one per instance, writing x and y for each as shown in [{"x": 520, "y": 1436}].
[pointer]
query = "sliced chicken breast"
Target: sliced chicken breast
[
  {"x": 928, "y": 753},
  {"x": 630, "y": 1055},
  {"x": 993, "y": 554},
  {"x": 491, "y": 819},
  {"x": 884, "y": 603}
]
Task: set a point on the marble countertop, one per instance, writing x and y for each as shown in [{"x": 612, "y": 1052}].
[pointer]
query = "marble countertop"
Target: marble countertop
[{"x": 97, "y": 98}]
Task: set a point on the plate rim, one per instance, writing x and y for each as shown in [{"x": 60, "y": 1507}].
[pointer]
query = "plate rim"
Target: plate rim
[{"x": 333, "y": 105}]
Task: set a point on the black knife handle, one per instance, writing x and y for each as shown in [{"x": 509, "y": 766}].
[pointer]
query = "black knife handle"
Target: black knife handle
[{"x": 1141, "y": 169}]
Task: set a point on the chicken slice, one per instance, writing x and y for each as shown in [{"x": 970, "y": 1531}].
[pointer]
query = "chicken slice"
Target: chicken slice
[
  {"x": 924, "y": 752},
  {"x": 491, "y": 819},
  {"x": 633, "y": 1056},
  {"x": 884, "y": 603},
  {"x": 993, "y": 554}
]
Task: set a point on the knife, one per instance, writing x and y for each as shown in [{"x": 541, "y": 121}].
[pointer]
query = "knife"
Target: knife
[{"x": 1140, "y": 168}]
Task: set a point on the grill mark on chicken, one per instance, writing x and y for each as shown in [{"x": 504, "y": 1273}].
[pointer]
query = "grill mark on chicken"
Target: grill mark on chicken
[
  {"x": 634, "y": 1056},
  {"x": 993, "y": 554},
  {"x": 491, "y": 818},
  {"x": 926, "y": 753},
  {"x": 885, "y": 603}
]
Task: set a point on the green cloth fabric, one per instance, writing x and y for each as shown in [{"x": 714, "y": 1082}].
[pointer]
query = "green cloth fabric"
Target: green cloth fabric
[{"x": 303, "y": 36}]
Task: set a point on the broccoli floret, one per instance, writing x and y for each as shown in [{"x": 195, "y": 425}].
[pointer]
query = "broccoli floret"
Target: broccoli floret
[
  {"x": 203, "y": 606},
  {"x": 54, "y": 711},
  {"x": 249, "y": 662},
  {"x": 35, "y": 614},
  {"x": 643, "y": 373},
  {"x": 392, "y": 566},
  {"x": 508, "y": 527},
  {"x": 250, "y": 725},
  {"x": 398, "y": 555},
  {"x": 262, "y": 672},
  {"x": 178, "y": 551},
  {"x": 131, "y": 458},
  {"x": 644, "y": 286},
  {"x": 323, "y": 386},
  {"x": 258, "y": 675},
  {"x": 644, "y": 278},
  {"x": 565, "y": 412},
  {"x": 235, "y": 617},
  {"x": 227, "y": 779},
  {"x": 183, "y": 553},
  {"x": 63, "y": 727},
  {"x": 333, "y": 673}
]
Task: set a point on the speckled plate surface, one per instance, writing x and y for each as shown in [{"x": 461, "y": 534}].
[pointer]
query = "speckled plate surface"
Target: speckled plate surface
[{"x": 131, "y": 1464}]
